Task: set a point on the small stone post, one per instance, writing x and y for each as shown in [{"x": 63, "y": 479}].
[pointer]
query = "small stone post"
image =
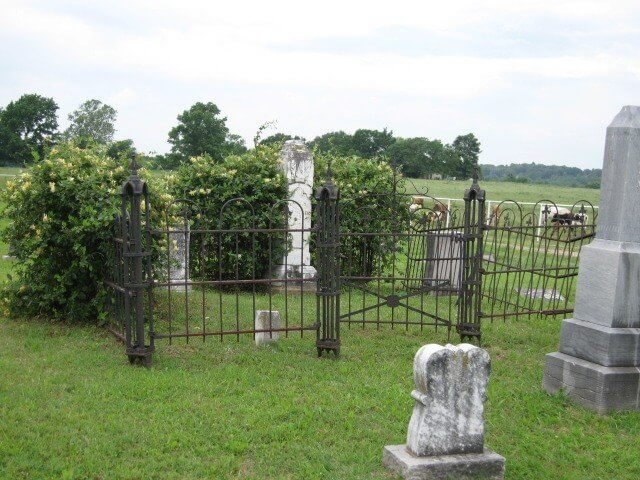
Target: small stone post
[
  {"x": 267, "y": 320},
  {"x": 445, "y": 438},
  {"x": 598, "y": 362},
  {"x": 297, "y": 163}
]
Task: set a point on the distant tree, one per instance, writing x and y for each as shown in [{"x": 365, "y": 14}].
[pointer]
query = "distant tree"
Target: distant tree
[
  {"x": 234, "y": 145},
  {"x": 167, "y": 161},
  {"x": 94, "y": 120},
  {"x": 467, "y": 149},
  {"x": 27, "y": 127},
  {"x": 200, "y": 130},
  {"x": 369, "y": 143},
  {"x": 122, "y": 149},
  {"x": 338, "y": 143},
  {"x": 417, "y": 156},
  {"x": 279, "y": 138}
]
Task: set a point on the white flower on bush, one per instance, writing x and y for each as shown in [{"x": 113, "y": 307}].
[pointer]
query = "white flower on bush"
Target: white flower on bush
[{"x": 52, "y": 187}]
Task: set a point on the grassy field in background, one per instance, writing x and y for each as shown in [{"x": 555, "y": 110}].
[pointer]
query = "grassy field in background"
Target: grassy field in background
[
  {"x": 521, "y": 192},
  {"x": 71, "y": 407}
]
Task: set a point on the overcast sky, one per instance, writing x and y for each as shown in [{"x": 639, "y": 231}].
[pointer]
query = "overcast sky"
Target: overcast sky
[{"x": 536, "y": 81}]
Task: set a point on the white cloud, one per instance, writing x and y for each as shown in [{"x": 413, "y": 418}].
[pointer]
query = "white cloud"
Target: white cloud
[{"x": 154, "y": 48}]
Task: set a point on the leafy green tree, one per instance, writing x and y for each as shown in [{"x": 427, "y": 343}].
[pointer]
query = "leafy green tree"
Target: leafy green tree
[
  {"x": 27, "y": 127},
  {"x": 201, "y": 130},
  {"x": 337, "y": 143},
  {"x": 370, "y": 143},
  {"x": 467, "y": 149},
  {"x": 417, "y": 156},
  {"x": 234, "y": 145},
  {"x": 94, "y": 120},
  {"x": 277, "y": 138},
  {"x": 122, "y": 149}
]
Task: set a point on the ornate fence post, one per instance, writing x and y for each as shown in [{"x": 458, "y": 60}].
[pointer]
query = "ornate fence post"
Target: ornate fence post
[
  {"x": 328, "y": 277},
  {"x": 136, "y": 269},
  {"x": 470, "y": 300}
]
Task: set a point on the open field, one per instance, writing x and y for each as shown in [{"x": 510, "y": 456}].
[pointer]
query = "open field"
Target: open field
[
  {"x": 71, "y": 407},
  {"x": 521, "y": 192}
]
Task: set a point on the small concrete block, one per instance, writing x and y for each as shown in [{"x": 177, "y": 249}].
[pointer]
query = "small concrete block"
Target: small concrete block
[
  {"x": 610, "y": 347},
  {"x": 603, "y": 389},
  {"x": 485, "y": 465},
  {"x": 267, "y": 320}
]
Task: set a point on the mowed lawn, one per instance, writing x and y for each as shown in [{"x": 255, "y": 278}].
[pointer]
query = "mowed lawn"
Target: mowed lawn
[{"x": 72, "y": 407}]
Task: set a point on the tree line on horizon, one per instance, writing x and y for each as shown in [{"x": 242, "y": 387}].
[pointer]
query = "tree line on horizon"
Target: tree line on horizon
[{"x": 29, "y": 128}]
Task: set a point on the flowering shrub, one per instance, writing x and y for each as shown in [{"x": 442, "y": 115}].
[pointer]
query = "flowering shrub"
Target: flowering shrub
[
  {"x": 60, "y": 228},
  {"x": 258, "y": 184},
  {"x": 366, "y": 205}
]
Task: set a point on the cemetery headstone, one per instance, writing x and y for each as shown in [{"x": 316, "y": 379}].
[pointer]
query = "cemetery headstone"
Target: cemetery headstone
[
  {"x": 445, "y": 438},
  {"x": 179, "y": 240},
  {"x": 598, "y": 360},
  {"x": 297, "y": 163}
]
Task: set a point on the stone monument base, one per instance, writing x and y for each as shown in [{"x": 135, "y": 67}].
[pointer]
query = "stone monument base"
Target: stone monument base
[
  {"x": 295, "y": 274},
  {"x": 599, "y": 388},
  {"x": 486, "y": 465}
]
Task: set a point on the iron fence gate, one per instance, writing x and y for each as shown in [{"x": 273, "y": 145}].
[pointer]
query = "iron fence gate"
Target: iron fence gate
[
  {"x": 420, "y": 269},
  {"x": 384, "y": 258}
]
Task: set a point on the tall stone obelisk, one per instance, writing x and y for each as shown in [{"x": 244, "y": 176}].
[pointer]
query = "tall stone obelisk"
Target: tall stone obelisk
[{"x": 598, "y": 362}]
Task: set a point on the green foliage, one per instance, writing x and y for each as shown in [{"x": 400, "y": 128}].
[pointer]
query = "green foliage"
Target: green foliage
[
  {"x": 94, "y": 120},
  {"x": 60, "y": 227},
  {"x": 366, "y": 202},
  {"x": 27, "y": 127},
  {"x": 370, "y": 143},
  {"x": 279, "y": 139},
  {"x": 254, "y": 177},
  {"x": 336, "y": 143},
  {"x": 235, "y": 144},
  {"x": 364, "y": 143},
  {"x": 202, "y": 131},
  {"x": 122, "y": 149},
  {"x": 418, "y": 156}
]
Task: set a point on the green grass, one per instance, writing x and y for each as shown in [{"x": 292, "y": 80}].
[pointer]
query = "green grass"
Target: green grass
[
  {"x": 506, "y": 191},
  {"x": 72, "y": 407}
]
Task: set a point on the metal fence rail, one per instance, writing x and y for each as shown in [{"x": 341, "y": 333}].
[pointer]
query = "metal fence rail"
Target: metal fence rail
[{"x": 189, "y": 272}]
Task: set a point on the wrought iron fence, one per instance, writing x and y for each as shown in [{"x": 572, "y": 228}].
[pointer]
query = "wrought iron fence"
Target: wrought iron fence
[
  {"x": 187, "y": 273},
  {"x": 531, "y": 256}
]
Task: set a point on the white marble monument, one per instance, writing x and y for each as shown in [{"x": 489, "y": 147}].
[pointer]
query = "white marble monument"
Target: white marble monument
[
  {"x": 179, "y": 240},
  {"x": 445, "y": 438},
  {"x": 297, "y": 163}
]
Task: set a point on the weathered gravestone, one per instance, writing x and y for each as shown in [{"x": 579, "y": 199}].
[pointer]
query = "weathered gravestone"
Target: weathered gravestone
[
  {"x": 267, "y": 320},
  {"x": 297, "y": 163},
  {"x": 179, "y": 240},
  {"x": 598, "y": 362},
  {"x": 444, "y": 261},
  {"x": 445, "y": 438}
]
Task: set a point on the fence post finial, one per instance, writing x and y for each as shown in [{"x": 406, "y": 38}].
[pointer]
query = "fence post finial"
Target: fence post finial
[{"x": 134, "y": 167}]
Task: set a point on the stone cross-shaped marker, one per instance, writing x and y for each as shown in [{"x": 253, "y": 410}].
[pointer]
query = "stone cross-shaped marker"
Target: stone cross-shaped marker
[
  {"x": 297, "y": 163},
  {"x": 598, "y": 362},
  {"x": 445, "y": 438}
]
